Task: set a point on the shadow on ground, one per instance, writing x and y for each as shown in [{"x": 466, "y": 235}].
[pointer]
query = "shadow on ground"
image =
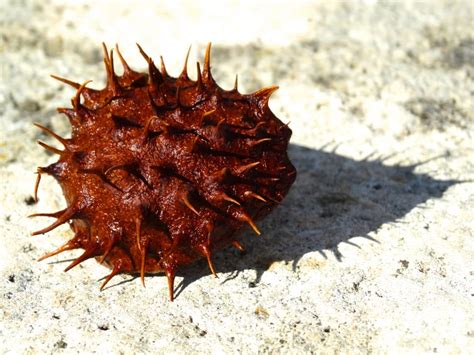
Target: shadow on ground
[{"x": 333, "y": 200}]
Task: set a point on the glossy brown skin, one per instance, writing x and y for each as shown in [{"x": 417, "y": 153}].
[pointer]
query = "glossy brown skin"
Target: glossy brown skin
[{"x": 161, "y": 171}]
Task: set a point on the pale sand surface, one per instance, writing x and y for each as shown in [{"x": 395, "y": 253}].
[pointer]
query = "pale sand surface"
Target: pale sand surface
[{"x": 371, "y": 251}]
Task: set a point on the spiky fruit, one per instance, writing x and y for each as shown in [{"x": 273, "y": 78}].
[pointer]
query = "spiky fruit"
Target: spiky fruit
[{"x": 162, "y": 171}]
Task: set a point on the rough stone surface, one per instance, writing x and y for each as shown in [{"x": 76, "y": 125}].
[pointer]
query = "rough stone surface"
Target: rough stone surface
[{"x": 372, "y": 251}]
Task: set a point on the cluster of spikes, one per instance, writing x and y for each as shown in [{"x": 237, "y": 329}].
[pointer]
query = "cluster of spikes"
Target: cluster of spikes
[{"x": 162, "y": 171}]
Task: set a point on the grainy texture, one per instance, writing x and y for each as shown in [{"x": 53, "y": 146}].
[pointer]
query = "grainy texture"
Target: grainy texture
[
  {"x": 371, "y": 251},
  {"x": 161, "y": 171}
]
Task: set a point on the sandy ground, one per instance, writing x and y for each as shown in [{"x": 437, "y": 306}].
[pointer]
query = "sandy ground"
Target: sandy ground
[{"x": 371, "y": 252}]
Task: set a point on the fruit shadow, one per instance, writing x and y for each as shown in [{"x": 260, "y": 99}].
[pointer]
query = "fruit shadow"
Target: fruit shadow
[{"x": 333, "y": 200}]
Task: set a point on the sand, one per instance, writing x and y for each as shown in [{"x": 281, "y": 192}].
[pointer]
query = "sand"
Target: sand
[{"x": 371, "y": 252}]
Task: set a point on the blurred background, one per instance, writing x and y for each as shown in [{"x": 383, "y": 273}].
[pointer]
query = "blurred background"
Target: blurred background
[{"x": 372, "y": 249}]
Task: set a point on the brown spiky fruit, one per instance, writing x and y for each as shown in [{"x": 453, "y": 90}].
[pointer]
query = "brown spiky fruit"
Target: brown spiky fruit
[{"x": 162, "y": 171}]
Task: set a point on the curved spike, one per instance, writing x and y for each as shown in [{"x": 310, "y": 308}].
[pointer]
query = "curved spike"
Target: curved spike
[
  {"x": 138, "y": 227},
  {"x": 116, "y": 270},
  {"x": 88, "y": 253},
  {"x": 251, "y": 223},
  {"x": 66, "y": 81},
  {"x": 76, "y": 100},
  {"x": 51, "y": 149},
  {"x": 262, "y": 96},
  {"x": 206, "y": 114},
  {"x": 147, "y": 125},
  {"x": 184, "y": 73},
  {"x": 199, "y": 76},
  {"x": 206, "y": 73},
  {"x": 260, "y": 141},
  {"x": 67, "y": 214},
  {"x": 37, "y": 183},
  {"x": 254, "y": 195},
  {"x": 126, "y": 68},
  {"x": 227, "y": 198},
  {"x": 142, "y": 265},
  {"x": 221, "y": 121},
  {"x": 188, "y": 204},
  {"x": 238, "y": 246},
  {"x": 207, "y": 254},
  {"x": 115, "y": 167},
  {"x": 242, "y": 169},
  {"x": 170, "y": 274},
  {"x": 265, "y": 93},
  {"x": 163, "y": 67},
  {"x": 70, "y": 245},
  {"x": 63, "y": 141}
]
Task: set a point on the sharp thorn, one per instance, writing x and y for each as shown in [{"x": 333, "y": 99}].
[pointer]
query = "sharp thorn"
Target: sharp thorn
[
  {"x": 142, "y": 267},
  {"x": 265, "y": 93},
  {"x": 252, "y": 224},
  {"x": 147, "y": 125},
  {"x": 184, "y": 73},
  {"x": 138, "y": 227},
  {"x": 226, "y": 197},
  {"x": 51, "y": 133},
  {"x": 170, "y": 277},
  {"x": 70, "y": 245},
  {"x": 51, "y": 149},
  {"x": 207, "y": 113},
  {"x": 238, "y": 246},
  {"x": 76, "y": 99},
  {"x": 207, "y": 253},
  {"x": 52, "y": 214},
  {"x": 236, "y": 84},
  {"x": 66, "y": 216},
  {"x": 142, "y": 52},
  {"x": 220, "y": 175},
  {"x": 126, "y": 68},
  {"x": 106, "y": 53},
  {"x": 255, "y": 195},
  {"x": 188, "y": 204},
  {"x": 260, "y": 141},
  {"x": 84, "y": 256},
  {"x": 37, "y": 183},
  {"x": 207, "y": 58},
  {"x": 199, "y": 75},
  {"x": 110, "y": 246},
  {"x": 222, "y": 120},
  {"x": 244, "y": 168},
  {"x": 163, "y": 67},
  {"x": 109, "y": 277},
  {"x": 66, "y": 81}
]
